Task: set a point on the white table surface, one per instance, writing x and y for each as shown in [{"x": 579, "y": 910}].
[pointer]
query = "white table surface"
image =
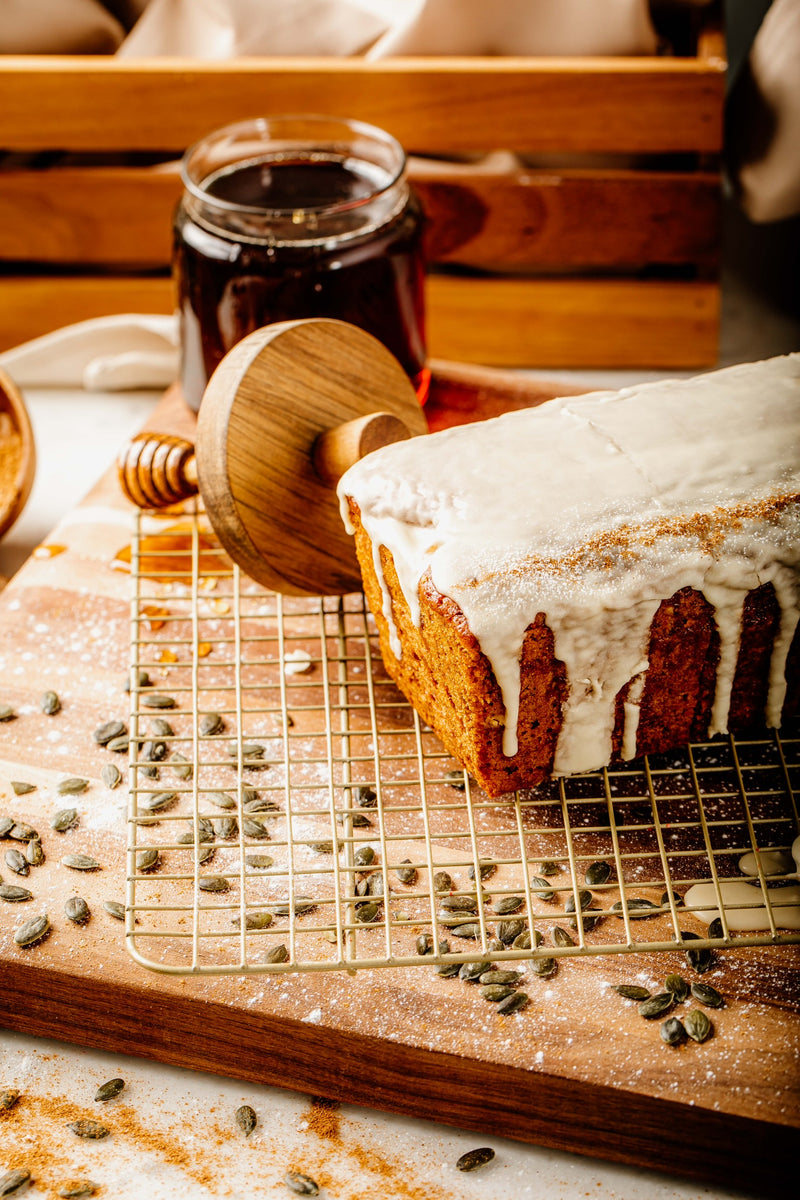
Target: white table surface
[{"x": 188, "y": 1116}]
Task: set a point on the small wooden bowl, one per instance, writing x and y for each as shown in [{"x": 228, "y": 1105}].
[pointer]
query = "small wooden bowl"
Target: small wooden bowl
[{"x": 17, "y": 461}]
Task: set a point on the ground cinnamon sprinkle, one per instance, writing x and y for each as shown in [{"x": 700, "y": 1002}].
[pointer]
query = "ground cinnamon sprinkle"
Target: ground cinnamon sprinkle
[
  {"x": 324, "y": 1119},
  {"x": 10, "y": 457}
]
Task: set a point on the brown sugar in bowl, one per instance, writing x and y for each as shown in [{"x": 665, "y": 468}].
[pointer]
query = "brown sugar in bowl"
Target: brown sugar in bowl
[{"x": 17, "y": 453}]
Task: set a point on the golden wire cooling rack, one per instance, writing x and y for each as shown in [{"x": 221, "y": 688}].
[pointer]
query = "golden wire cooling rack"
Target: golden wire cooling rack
[{"x": 294, "y": 814}]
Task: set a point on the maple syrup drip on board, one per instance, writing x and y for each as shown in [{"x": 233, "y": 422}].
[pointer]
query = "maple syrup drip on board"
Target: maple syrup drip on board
[{"x": 167, "y": 556}]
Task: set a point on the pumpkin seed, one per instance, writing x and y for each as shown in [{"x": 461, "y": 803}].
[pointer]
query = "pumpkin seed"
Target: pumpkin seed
[
  {"x": 513, "y": 1003},
  {"x": 495, "y": 945},
  {"x": 700, "y": 960},
  {"x": 13, "y": 894},
  {"x": 245, "y": 1118},
  {"x": 708, "y": 995},
  {"x": 205, "y": 853},
  {"x": 715, "y": 929},
  {"x": 78, "y": 1190},
  {"x": 180, "y": 765},
  {"x": 697, "y": 1025},
  {"x": 13, "y": 1180},
  {"x": 375, "y": 886},
  {"x": 253, "y": 803},
  {"x": 486, "y": 869},
  {"x": 111, "y": 776},
  {"x": 277, "y": 954},
  {"x": 631, "y": 991},
  {"x": 254, "y": 920},
  {"x": 302, "y": 904},
  {"x": 475, "y": 1158},
  {"x": 6, "y": 824},
  {"x": 86, "y": 1128},
  {"x": 458, "y": 902},
  {"x": 115, "y": 909},
  {"x": 225, "y": 828},
  {"x": 142, "y": 680},
  {"x": 157, "y": 801},
  {"x": 213, "y": 883},
  {"x": 253, "y": 828},
  {"x": 147, "y": 860},
  {"x": 506, "y": 978},
  {"x": 654, "y": 1006},
  {"x": 22, "y": 832},
  {"x": 678, "y": 986},
  {"x": 364, "y": 857},
  {"x": 249, "y": 750},
  {"x": 153, "y": 751},
  {"x": 672, "y": 1031},
  {"x": 457, "y": 780},
  {"x": 508, "y": 904},
  {"x": 8, "y": 1098},
  {"x": 424, "y": 944},
  {"x": 49, "y": 703},
  {"x": 324, "y": 847},
  {"x": 161, "y": 728},
  {"x": 406, "y": 873},
  {"x": 356, "y": 819},
  {"x": 365, "y": 913},
  {"x": 664, "y": 901},
  {"x": 495, "y": 992},
  {"x": 597, "y": 873},
  {"x": 584, "y": 899},
  {"x": 72, "y": 786},
  {"x": 118, "y": 745},
  {"x": 448, "y": 970},
  {"x": 7, "y": 713},
  {"x": 259, "y": 862},
  {"x": 109, "y": 1090},
  {"x": 442, "y": 882},
  {"x": 541, "y": 888},
  {"x": 526, "y": 939},
  {"x": 221, "y": 799},
  {"x": 546, "y": 867},
  {"x": 109, "y": 731},
  {"x": 32, "y": 930},
  {"x": 469, "y": 930},
  {"x": 17, "y": 862},
  {"x": 300, "y": 1184},
  {"x": 561, "y": 937},
  {"x": 209, "y": 724},
  {"x": 365, "y": 796},
  {"x": 147, "y": 771},
  {"x": 543, "y": 967},
  {"x": 34, "y": 853},
  {"x": 471, "y": 972},
  {"x": 158, "y": 700},
  {"x": 77, "y": 910},
  {"x": 20, "y": 788},
  {"x": 80, "y": 862},
  {"x": 508, "y": 931},
  {"x": 638, "y": 908},
  {"x": 64, "y": 819}
]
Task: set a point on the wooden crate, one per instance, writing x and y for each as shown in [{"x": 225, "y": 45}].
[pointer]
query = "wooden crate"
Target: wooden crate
[{"x": 587, "y": 265}]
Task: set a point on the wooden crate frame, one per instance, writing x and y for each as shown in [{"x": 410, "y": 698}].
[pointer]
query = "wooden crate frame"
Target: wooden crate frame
[{"x": 522, "y": 275}]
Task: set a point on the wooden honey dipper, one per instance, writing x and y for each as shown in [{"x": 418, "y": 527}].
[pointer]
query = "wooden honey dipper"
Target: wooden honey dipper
[{"x": 287, "y": 411}]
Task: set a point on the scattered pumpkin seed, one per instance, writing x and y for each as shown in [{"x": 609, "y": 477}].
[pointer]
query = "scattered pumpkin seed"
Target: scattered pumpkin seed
[
  {"x": 509, "y": 931},
  {"x": 375, "y": 885},
  {"x": 513, "y": 1003},
  {"x": 448, "y": 970},
  {"x": 13, "y": 1180},
  {"x": 425, "y": 944},
  {"x": 584, "y": 899},
  {"x": 365, "y": 796},
  {"x": 543, "y": 967},
  {"x": 469, "y": 930},
  {"x": 158, "y": 700},
  {"x": 77, "y": 910},
  {"x": 708, "y": 995},
  {"x": 715, "y": 929},
  {"x": 541, "y": 888},
  {"x": 697, "y": 1025},
  {"x": 64, "y": 819},
  {"x": 406, "y": 873},
  {"x": 77, "y": 1190},
  {"x": 324, "y": 847},
  {"x": 119, "y": 745},
  {"x": 457, "y": 780},
  {"x": 80, "y": 862},
  {"x": 546, "y": 867},
  {"x": 475, "y": 1158},
  {"x": 205, "y": 853},
  {"x": 654, "y": 1006},
  {"x": 7, "y": 713},
  {"x": 115, "y": 909},
  {"x": 147, "y": 860},
  {"x": 221, "y": 799},
  {"x": 180, "y": 765},
  {"x": 631, "y": 991},
  {"x": 34, "y": 853},
  {"x": 356, "y": 819},
  {"x": 21, "y": 788},
  {"x": 213, "y": 883},
  {"x": 277, "y": 954},
  {"x": 700, "y": 960},
  {"x": 664, "y": 901},
  {"x": 8, "y": 1098},
  {"x": 32, "y": 930},
  {"x": 21, "y": 832},
  {"x": 246, "y": 1119},
  {"x": 524, "y": 940},
  {"x": 300, "y": 1184},
  {"x": 253, "y": 803},
  {"x": 153, "y": 751},
  {"x": 209, "y": 724},
  {"x": 259, "y": 862},
  {"x": 249, "y": 750},
  {"x": 673, "y": 1031},
  {"x": 147, "y": 770},
  {"x": 157, "y": 801},
  {"x": 110, "y": 730},
  {"x": 109, "y": 1090},
  {"x": 160, "y": 728},
  {"x": 72, "y": 786},
  {"x": 252, "y": 827},
  {"x": 638, "y": 908},
  {"x": 495, "y": 992},
  {"x": 6, "y": 824},
  {"x": 17, "y": 862},
  {"x": 442, "y": 882},
  {"x": 486, "y": 869},
  {"x": 49, "y": 703},
  {"x": 508, "y": 904},
  {"x": 597, "y": 873},
  {"x": 506, "y": 978},
  {"x": 253, "y": 920},
  {"x": 142, "y": 680},
  {"x": 562, "y": 938},
  {"x": 111, "y": 776},
  {"x": 458, "y": 902},
  {"x": 366, "y": 913},
  {"x": 13, "y": 894},
  {"x": 471, "y": 972},
  {"x": 678, "y": 986},
  {"x": 225, "y": 828},
  {"x": 364, "y": 856},
  {"x": 87, "y": 1128}
]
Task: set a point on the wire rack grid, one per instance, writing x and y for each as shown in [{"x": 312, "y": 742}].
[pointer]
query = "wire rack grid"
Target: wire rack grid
[{"x": 289, "y": 811}]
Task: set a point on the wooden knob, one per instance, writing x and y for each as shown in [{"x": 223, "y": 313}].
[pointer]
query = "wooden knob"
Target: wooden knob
[
  {"x": 336, "y": 450},
  {"x": 157, "y": 470}
]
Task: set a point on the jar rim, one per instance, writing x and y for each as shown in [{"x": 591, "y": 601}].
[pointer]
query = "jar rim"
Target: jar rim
[{"x": 261, "y": 125}]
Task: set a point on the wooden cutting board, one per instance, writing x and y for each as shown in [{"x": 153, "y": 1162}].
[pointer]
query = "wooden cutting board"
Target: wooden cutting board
[{"x": 577, "y": 1070}]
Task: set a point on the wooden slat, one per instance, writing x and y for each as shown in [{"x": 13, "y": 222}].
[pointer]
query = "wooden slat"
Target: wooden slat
[
  {"x": 501, "y": 322},
  {"x": 522, "y": 220},
  {"x": 626, "y": 105}
]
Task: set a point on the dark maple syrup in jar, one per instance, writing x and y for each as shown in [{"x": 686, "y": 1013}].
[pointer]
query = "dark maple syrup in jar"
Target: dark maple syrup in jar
[{"x": 297, "y": 217}]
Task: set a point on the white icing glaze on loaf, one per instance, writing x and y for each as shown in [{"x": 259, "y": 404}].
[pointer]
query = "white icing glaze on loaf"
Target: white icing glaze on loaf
[{"x": 593, "y": 510}]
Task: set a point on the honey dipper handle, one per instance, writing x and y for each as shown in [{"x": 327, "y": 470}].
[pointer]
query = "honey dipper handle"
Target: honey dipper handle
[
  {"x": 157, "y": 470},
  {"x": 338, "y": 448}
]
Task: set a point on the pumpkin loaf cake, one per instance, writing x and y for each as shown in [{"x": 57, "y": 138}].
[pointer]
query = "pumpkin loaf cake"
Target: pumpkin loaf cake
[{"x": 594, "y": 579}]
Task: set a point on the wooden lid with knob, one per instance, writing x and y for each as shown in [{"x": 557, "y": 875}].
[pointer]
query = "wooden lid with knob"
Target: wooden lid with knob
[{"x": 287, "y": 411}]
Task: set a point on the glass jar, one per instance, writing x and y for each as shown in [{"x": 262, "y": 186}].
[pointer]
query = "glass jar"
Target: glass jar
[{"x": 297, "y": 216}]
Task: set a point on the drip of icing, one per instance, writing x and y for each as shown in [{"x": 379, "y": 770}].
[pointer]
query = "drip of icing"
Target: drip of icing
[
  {"x": 773, "y": 862},
  {"x": 784, "y": 901},
  {"x": 631, "y": 710},
  {"x": 593, "y": 510}
]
